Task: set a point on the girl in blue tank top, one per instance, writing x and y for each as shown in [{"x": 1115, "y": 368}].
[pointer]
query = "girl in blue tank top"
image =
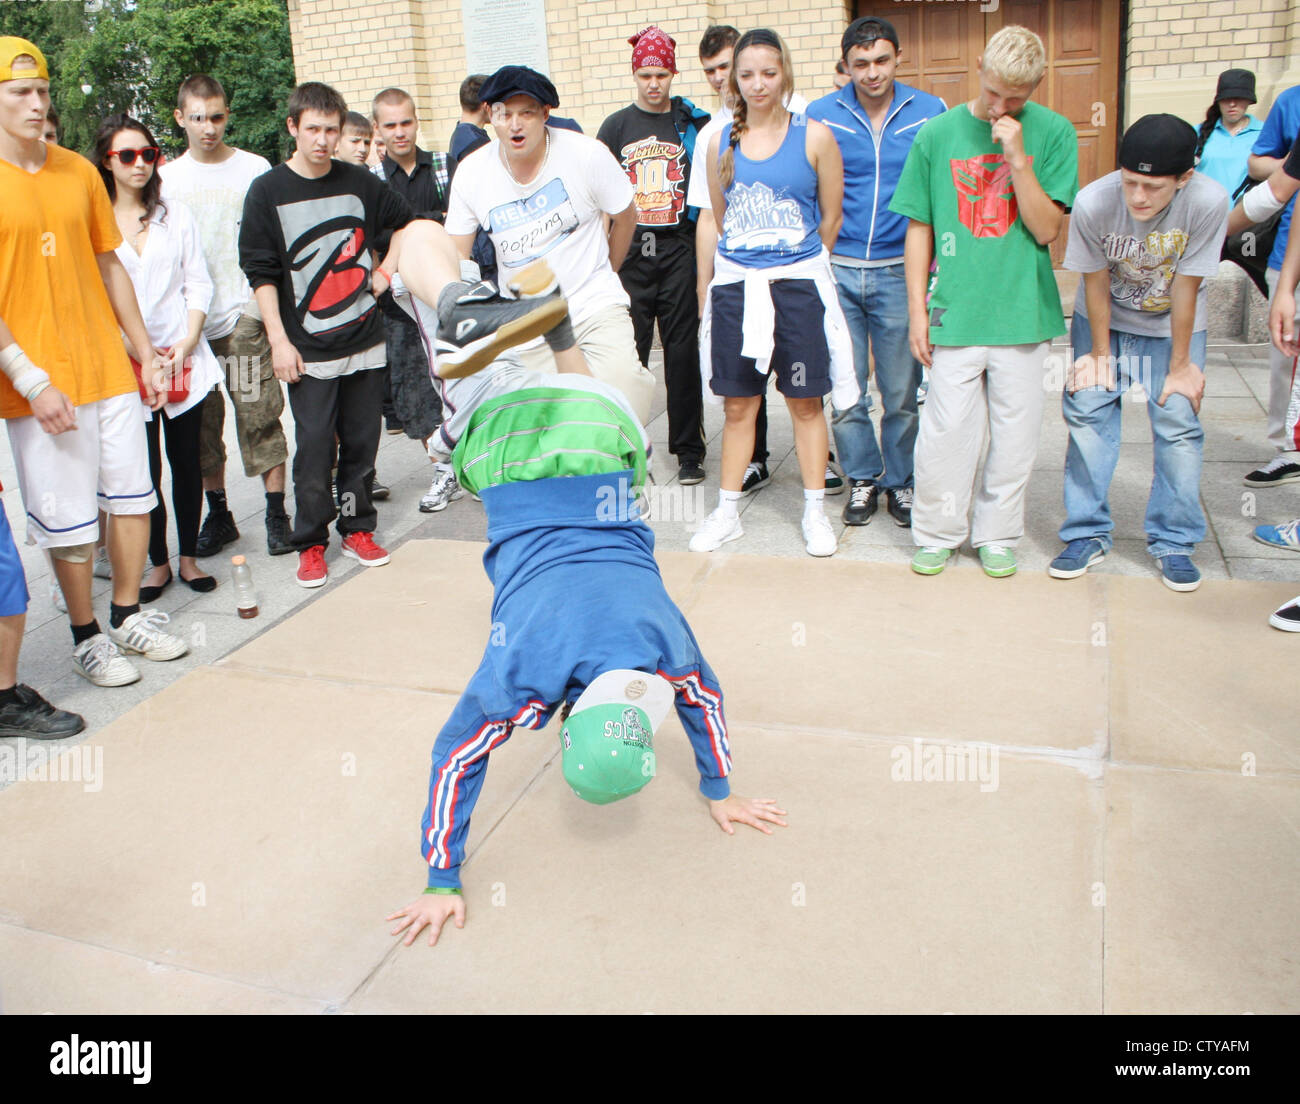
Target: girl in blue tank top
[{"x": 776, "y": 183}]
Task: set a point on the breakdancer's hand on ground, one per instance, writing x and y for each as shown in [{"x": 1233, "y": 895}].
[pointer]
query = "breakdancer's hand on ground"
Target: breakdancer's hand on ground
[
  {"x": 431, "y": 909},
  {"x": 746, "y": 810}
]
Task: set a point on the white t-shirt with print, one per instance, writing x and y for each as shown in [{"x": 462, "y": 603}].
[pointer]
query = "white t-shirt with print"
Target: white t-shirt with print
[
  {"x": 215, "y": 195},
  {"x": 556, "y": 216}
]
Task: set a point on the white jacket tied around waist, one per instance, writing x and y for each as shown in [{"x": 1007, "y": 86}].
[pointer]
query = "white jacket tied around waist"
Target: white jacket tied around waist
[{"x": 758, "y": 336}]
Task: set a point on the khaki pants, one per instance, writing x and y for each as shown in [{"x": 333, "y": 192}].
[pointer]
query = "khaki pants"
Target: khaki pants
[
  {"x": 608, "y": 345},
  {"x": 245, "y": 355}
]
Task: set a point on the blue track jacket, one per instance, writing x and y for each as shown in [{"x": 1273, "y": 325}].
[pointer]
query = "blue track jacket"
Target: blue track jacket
[
  {"x": 576, "y": 591},
  {"x": 872, "y": 166}
]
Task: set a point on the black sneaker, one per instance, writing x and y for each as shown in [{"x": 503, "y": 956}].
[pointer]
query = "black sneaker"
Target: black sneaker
[
  {"x": 379, "y": 491},
  {"x": 899, "y": 504},
  {"x": 690, "y": 472},
  {"x": 1278, "y": 470},
  {"x": 393, "y": 427},
  {"x": 481, "y": 324},
  {"x": 863, "y": 500},
  {"x": 1287, "y": 618},
  {"x": 277, "y": 535},
  {"x": 217, "y": 532},
  {"x": 756, "y": 477},
  {"x": 32, "y": 716}
]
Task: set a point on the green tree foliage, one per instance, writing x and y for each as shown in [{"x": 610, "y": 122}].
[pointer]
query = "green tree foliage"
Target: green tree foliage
[{"x": 135, "y": 53}]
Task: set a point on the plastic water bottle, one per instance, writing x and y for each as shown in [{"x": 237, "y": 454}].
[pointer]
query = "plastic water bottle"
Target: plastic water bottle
[{"x": 245, "y": 595}]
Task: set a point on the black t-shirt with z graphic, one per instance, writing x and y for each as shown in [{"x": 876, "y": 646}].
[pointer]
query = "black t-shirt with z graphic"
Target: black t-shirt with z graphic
[
  {"x": 312, "y": 240},
  {"x": 651, "y": 152}
]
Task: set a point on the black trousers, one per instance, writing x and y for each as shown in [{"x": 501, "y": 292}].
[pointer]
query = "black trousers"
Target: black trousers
[
  {"x": 348, "y": 406},
  {"x": 660, "y": 281},
  {"x": 182, "y": 442}
]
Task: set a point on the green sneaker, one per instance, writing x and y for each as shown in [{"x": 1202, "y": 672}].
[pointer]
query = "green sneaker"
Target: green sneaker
[
  {"x": 930, "y": 561},
  {"x": 998, "y": 562}
]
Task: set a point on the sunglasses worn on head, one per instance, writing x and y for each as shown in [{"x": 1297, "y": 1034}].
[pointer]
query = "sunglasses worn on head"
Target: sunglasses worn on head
[{"x": 149, "y": 154}]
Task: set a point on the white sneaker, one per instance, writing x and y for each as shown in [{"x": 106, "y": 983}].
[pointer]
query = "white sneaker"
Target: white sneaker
[
  {"x": 103, "y": 569},
  {"x": 715, "y": 530},
  {"x": 442, "y": 491},
  {"x": 57, "y": 599},
  {"x": 142, "y": 634},
  {"x": 98, "y": 660},
  {"x": 819, "y": 537}
]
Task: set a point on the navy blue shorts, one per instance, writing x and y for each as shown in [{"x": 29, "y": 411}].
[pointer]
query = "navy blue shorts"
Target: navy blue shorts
[
  {"x": 13, "y": 583},
  {"x": 801, "y": 358}
]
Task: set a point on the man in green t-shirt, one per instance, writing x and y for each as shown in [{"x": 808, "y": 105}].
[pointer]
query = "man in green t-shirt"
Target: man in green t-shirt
[{"x": 986, "y": 187}]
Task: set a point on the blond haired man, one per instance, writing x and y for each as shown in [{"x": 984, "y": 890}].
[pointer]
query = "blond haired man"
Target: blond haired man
[{"x": 986, "y": 186}]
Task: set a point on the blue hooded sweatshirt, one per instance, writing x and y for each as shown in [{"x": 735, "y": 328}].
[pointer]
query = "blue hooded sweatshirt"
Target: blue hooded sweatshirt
[{"x": 577, "y": 592}]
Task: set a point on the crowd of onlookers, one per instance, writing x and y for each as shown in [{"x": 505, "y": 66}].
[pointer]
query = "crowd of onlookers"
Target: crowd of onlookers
[{"x": 875, "y": 230}]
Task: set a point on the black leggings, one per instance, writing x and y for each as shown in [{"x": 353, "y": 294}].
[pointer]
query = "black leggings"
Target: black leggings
[{"x": 182, "y": 433}]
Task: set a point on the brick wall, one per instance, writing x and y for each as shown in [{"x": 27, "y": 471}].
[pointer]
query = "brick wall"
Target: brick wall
[
  {"x": 361, "y": 46},
  {"x": 1177, "y": 50}
]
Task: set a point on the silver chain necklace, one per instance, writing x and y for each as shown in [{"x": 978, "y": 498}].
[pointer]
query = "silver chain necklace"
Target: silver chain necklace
[{"x": 546, "y": 160}]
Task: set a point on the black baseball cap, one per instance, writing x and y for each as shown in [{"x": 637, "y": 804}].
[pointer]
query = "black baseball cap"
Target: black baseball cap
[
  {"x": 1236, "y": 84},
  {"x": 518, "y": 80},
  {"x": 1158, "y": 145}
]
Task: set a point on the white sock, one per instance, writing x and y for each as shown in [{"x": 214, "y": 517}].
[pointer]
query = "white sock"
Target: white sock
[
  {"x": 813, "y": 501},
  {"x": 727, "y": 501}
]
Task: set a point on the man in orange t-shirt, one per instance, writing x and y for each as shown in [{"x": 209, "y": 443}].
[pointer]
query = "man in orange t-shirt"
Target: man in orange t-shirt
[{"x": 67, "y": 392}]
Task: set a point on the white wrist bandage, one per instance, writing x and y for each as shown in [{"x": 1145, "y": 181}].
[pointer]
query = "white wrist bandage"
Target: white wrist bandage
[
  {"x": 28, "y": 380},
  {"x": 1260, "y": 203}
]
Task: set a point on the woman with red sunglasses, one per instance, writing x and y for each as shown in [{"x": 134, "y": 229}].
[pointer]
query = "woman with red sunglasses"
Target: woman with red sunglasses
[{"x": 162, "y": 255}]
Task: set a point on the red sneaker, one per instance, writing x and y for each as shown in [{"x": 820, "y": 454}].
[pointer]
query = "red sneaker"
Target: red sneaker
[
  {"x": 362, "y": 547},
  {"x": 312, "y": 571}
]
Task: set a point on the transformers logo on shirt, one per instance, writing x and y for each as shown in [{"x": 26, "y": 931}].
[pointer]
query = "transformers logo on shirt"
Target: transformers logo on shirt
[{"x": 986, "y": 201}]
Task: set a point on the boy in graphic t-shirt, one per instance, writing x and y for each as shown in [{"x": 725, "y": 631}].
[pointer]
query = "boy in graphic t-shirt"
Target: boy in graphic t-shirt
[
  {"x": 654, "y": 140},
  {"x": 305, "y": 245},
  {"x": 986, "y": 186},
  {"x": 1144, "y": 237}
]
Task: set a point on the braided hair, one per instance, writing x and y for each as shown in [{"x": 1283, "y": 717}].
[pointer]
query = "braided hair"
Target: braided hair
[
  {"x": 1207, "y": 128},
  {"x": 740, "y": 119}
]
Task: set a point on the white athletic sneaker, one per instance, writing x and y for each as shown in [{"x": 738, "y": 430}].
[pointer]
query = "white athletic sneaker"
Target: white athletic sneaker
[
  {"x": 142, "y": 634},
  {"x": 98, "y": 660},
  {"x": 819, "y": 537},
  {"x": 715, "y": 530},
  {"x": 443, "y": 490},
  {"x": 103, "y": 569}
]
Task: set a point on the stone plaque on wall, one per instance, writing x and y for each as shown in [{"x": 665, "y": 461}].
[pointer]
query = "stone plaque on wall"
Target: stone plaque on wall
[{"x": 504, "y": 32}]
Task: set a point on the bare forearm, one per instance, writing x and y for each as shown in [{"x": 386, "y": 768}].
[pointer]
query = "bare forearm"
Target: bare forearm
[
  {"x": 1260, "y": 167},
  {"x": 268, "y": 302},
  {"x": 918, "y": 252},
  {"x": 622, "y": 227},
  {"x": 1041, "y": 216},
  {"x": 1096, "y": 294},
  {"x": 830, "y": 232},
  {"x": 706, "y": 245},
  {"x": 1182, "y": 317}
]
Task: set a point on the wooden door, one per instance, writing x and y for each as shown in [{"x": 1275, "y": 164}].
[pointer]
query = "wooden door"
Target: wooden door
[{"x": 941, "y": 44}]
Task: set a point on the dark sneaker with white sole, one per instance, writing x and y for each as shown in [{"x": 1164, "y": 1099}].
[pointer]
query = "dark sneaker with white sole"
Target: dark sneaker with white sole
[
  {"x": 481, "y": 324},
  {"x": 1281, "y": 469},
  {"x": 690, "y": 472},
  {"x": 30, "y": 715},
  {"x": 756, "y": 477},
  {"x": 1076, "y": 557},
  {"x": 898, "y": 501},
  {"x": 1287, "y": 618},
  {"x": 277, "y": 534},
  {"x": 864, "y": 498},
  {"x": 1179, "y": 573}
]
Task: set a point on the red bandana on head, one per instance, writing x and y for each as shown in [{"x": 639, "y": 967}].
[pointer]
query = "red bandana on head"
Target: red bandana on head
[{"x": 652, "y": 48}]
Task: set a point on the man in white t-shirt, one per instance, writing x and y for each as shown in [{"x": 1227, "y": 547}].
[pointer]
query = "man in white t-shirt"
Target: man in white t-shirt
[
  {"x": 212, "y": 179},
  {"x": 541, "y": 192},
  {"x": 716, "y": 48}
]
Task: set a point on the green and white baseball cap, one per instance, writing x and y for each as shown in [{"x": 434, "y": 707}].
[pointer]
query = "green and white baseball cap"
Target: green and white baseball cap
[{"x": 608, "y": 741}]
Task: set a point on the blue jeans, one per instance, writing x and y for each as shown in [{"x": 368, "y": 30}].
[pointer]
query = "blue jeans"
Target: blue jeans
[
  {"x": 1174, "y": 521},
  {"x": 875, "y": 306}
]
